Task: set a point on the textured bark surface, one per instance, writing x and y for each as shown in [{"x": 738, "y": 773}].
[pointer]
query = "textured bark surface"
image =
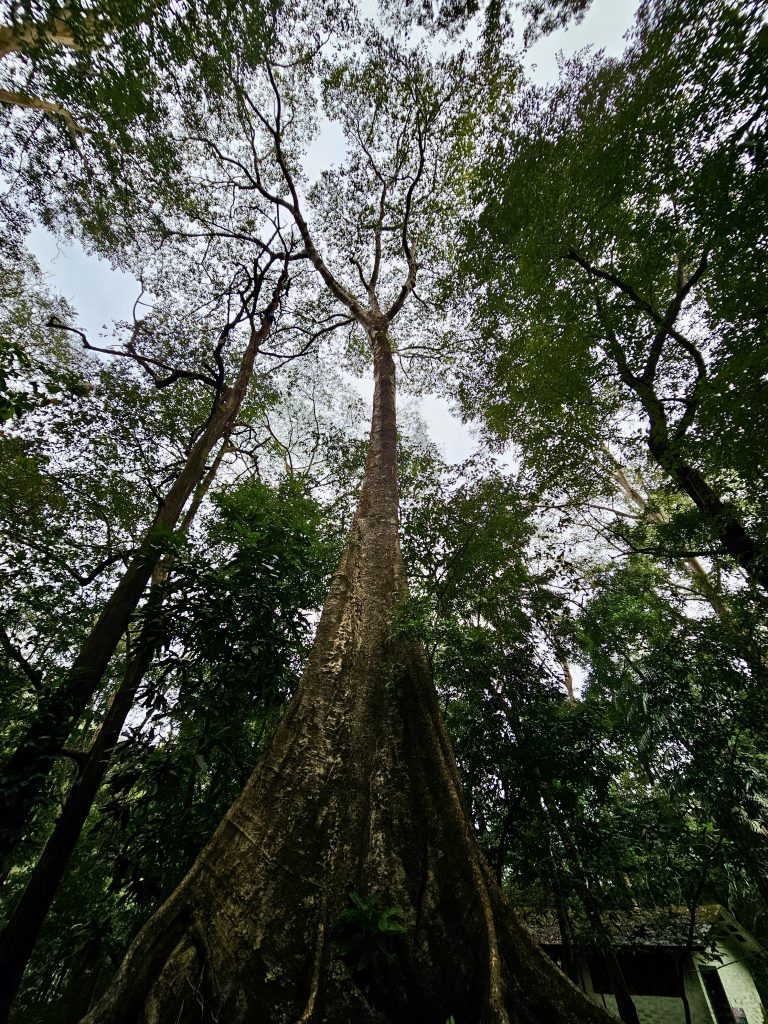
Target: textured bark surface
[{"x": 359, "y": 792}]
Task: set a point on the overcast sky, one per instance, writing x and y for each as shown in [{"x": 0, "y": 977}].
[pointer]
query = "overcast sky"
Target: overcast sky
[{"x": 101, "y": 295}]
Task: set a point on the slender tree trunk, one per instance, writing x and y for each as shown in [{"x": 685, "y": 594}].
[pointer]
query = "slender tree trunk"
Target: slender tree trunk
[
  {"x": 626, "y": 1006},
  {"x": 570, "y": 962},
  {"x": 734, "y": 538},
  {"x": 358, "y": 793},
  {"x": 692, "y": 566},
  {"x": 23, "y": 776},
  {"x": 22, "y": 930},
  {"x": 568, "y": 680},
  {"x": 18, "y": 937}
]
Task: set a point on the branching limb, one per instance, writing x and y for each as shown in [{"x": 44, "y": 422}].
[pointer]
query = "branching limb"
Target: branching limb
[
  {"x": 17, "y": 99},
  {"x": 78, "y": 756},
  {"x": 667, "y": 321},
  {"x": 313, "y": 338},
  {"x": 146, "y": 362},
  {"x": 34, "y": 675},
  {"x": 275, "y": 131},
  {"x": 663, "y": 321},
  {"x": 82, "y": 580},
  {"x": 410, "y": 281},
  {"x": 661, "y": 553}
]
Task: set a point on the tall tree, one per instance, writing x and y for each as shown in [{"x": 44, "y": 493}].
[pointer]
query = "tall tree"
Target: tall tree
[
  {"x": 358, "y": 793},
  {"x": 59, "y": 708}
]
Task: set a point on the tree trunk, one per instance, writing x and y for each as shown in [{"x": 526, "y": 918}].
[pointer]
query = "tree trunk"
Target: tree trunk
[
  {"x": 22, "y": 930},
  {"x": 665, "y": 449},
  {"x": 358, "y": 793},
  {"x": 23, "y": 775},
  {"x": 592, "y": 909},
  {"x": 18, "y": 937},
  {"x": 692, "y": 565},
  {"x": 728, "y": 528},
  {"x": 735, "y": 540},
  {"x": 570, "y": 960}
]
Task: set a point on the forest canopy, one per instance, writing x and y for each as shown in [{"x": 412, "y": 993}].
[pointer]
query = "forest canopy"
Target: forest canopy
[{"x": 298, "y": 716}]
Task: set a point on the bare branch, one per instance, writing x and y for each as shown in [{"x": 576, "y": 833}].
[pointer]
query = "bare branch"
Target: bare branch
[
  {"x": 334, "y": 286},
  {"x": 314, "y": 337},
  {"x": 146, "y": 362},
  {"x": 410, "y": 281},
  {"x": 666, "y": 321}
]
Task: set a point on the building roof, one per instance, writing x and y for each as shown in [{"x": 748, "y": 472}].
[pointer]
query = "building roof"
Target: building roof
[{"x": 665, "y": 927}]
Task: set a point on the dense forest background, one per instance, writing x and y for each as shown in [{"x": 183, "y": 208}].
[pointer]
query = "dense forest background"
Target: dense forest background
[{"x": 585, "y": 281}]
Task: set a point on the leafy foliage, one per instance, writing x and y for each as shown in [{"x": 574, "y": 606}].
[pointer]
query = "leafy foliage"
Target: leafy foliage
[
  {"x": 600, "y": 312},
  {"x": 619, "y": 289},
  {"x": 366, "y": 927},
  {"x": 93, "y": 92}
]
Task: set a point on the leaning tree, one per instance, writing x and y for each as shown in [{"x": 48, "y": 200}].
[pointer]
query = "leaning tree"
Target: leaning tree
[
  {"x": 346, "y": 883},
  {"x": 620, "y": 285}
]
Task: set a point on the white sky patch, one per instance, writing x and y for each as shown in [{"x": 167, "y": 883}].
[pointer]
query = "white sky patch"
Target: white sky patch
[
  {"x": 99, "y": 293},
  {"x": 603, "y": 28},
  {"x": 454, "y": 439},
  {"x": 327, "y": 149}
]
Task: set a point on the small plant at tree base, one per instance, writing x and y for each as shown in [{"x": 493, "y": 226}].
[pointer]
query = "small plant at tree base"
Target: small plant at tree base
[{"x": 366, "y": 930}]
